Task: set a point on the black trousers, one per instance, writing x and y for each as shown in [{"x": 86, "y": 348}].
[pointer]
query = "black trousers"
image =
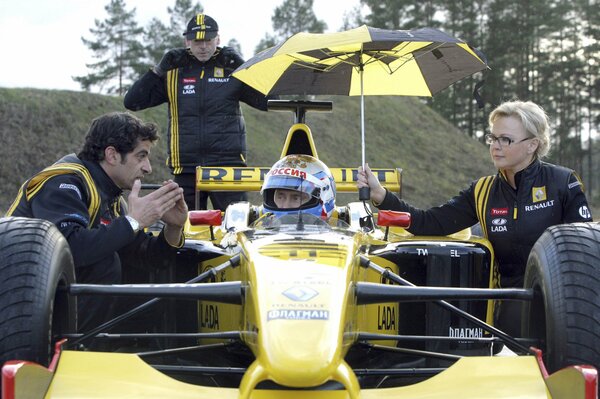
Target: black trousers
[
  {"x": 95, "y": 310},
  {"x": 218, "y": 199},
  {"x": 508, "y": 317}
]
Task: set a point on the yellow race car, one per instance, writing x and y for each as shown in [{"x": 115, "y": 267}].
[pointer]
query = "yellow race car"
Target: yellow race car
[{"x": 301, "y": 306}]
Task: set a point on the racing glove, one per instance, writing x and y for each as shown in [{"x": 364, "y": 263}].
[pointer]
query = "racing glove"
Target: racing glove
[
  {"x": 175, "y": 58},
  {"x": 230, "y": 58}
]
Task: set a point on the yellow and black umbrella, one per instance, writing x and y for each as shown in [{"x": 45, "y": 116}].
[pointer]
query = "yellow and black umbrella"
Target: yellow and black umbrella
[
  {"x": 393, "y": 62},
  {"x": 362, "y": 61}
]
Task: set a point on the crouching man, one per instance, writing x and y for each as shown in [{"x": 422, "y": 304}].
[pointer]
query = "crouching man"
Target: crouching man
[{"x": 82, "y": 195}]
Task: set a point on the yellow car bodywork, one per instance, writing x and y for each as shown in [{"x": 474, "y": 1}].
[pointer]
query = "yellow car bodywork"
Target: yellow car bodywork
[{"x": 299, "y": 317}]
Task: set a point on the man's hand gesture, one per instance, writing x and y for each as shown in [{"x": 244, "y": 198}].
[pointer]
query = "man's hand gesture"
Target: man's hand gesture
[
  {"x": 175, "y": 58},
  {"x": 150, "y": 208},
  {"x": 166, "y": 204}
]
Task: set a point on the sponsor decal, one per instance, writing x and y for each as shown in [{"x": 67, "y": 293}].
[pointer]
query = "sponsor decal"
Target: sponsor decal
[
  {"x": 499, "y": 225},
  {"x": 386, "y": 317},
  {"x": 538, "y": 194},
  {"x": 499, "y": 212},
  {"x": 584, "y": 212},
  {"x": 249, "y": 174},
  {"x": 574, "y": 184},
  {"x": 463, "y": 332},
  {"x": 73, "y": 187},
  {"x": 218, "y": 80},
  {"x": 67, "y": 224},
  {"x": 189, "y": 89},
  {"x": 288, "y": 172},
  {"x": 188, "y": 80},
  {"x": 104, "y": 222},
  {"x": 300, "y": 294},
  {"x": 219, "y": 72},
  {"x": 298, "y": 305},
  {"x": 209, "y": 317},
  {"x": 535, "y": 207},
  {"x": 295, "y": 314},
  {"x": 499, "y": 222}
]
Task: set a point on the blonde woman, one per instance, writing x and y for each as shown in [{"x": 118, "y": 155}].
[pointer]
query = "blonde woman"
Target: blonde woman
[{"x": 515, "y": 206}]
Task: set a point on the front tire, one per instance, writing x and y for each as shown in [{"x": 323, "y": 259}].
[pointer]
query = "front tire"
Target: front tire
[
  {"x": 564, "y": 271},
  {"x": 35, "y": 310}
]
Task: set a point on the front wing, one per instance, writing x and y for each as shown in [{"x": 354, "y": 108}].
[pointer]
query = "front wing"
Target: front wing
[{"x": 118, "y": 375}]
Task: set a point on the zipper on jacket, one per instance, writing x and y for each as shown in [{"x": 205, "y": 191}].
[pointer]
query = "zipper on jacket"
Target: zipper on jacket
[{"x": 515, "y": 208}]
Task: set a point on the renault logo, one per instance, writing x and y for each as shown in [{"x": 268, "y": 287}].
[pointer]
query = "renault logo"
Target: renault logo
[{"x": 300, "y": 294}]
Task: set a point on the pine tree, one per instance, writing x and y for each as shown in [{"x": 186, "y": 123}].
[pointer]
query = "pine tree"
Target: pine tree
[
  {"x": 160, "y": 38},
  {"x": 116, "y": 47},
  {"x": 291, "y": 17}
]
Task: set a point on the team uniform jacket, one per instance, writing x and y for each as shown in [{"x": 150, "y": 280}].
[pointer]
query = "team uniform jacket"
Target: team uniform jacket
[
  {"x": 511, "y": 219},
  {"x": 206, "y": 126},
  {"x": 87, "y": 207}
]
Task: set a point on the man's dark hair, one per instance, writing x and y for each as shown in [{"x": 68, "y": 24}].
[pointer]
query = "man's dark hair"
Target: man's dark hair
[{"x": 121, "y": 130}]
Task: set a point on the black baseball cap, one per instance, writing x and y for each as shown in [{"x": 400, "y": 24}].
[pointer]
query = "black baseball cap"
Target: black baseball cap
[{"x": 201, "y": 27}]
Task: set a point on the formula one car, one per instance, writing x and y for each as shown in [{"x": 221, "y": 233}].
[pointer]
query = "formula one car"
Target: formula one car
[{"x": 301, "y": 306}]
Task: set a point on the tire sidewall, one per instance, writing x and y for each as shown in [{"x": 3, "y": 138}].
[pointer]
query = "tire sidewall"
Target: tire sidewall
[
  {"x": 38, "y": 255},
  {"x": 548, "y": 293},
  {"x": 564, "y": 271}
]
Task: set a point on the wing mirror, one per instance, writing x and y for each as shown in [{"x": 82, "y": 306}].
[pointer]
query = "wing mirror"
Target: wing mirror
[
  {"x": 210, "y": 217},
  {"x": 394, "y": 219}
]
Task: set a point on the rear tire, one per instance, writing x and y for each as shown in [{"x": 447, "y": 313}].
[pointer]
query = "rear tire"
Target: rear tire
[
  {"x": 35, "y": 265},
  {"x": 564, "y": 271}
]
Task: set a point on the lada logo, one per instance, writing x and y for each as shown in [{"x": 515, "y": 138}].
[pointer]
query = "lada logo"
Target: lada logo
[{"x": 499, "y": 222}]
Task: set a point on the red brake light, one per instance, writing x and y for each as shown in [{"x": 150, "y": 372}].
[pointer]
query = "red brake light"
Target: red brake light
[
  {"x": 393, "y": 218},
  {"x": 209, "y": 217}
]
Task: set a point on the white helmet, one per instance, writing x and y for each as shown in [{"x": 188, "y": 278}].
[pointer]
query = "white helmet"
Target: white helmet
[{"x": 302, "y": 173}]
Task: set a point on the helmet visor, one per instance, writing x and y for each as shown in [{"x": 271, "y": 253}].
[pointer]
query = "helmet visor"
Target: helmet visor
[{"x": 293, "y": 183}]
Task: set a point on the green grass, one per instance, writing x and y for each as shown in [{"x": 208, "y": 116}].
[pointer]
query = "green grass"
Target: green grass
[{"x": 39, "y": 126}]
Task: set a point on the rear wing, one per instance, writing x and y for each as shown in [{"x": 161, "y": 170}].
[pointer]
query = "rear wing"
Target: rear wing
[
  {"x": 234, "y": 178},
  {"x": 299, "y": 140}
]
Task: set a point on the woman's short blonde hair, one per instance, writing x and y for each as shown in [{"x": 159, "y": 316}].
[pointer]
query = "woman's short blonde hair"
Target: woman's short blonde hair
[{"x": 533, "y": 118}]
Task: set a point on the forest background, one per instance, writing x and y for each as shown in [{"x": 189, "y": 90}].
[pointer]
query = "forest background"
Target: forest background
[{"x": 546, "y": 51}]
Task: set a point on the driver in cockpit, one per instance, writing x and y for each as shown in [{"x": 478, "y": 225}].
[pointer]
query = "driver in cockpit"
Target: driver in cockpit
[{"x": 299, "y": 183}]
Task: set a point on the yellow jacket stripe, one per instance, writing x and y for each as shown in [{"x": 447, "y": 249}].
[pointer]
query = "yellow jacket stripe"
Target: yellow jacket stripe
[
  {"x": 36, "y": 183},
  {"x": 482, "y": 193},
  {"x": 173, "y": 161},
  {"x": 17, "y": 200}
]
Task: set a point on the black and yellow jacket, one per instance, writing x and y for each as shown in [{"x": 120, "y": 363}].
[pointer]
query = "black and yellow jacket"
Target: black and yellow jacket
[
  {"x": 511, "y": 219},
  {"x": 206, "y": 126},
  {"x": 88, "y": 208}
]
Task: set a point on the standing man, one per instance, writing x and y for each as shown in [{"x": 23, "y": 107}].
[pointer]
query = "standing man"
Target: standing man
[
  {"x": 206, "y": 126},
  {"x": 81, "y": 195}
]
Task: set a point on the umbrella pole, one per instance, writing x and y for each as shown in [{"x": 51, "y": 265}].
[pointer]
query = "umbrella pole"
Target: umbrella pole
[
  {"x": 364, "y": 193},
  {"x": 362, "y": 119}
]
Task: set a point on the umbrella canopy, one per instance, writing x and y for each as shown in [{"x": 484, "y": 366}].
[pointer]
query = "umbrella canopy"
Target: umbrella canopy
[
  {"x": 362, "y": 61},
  {"x": 418, "y": 62}
]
